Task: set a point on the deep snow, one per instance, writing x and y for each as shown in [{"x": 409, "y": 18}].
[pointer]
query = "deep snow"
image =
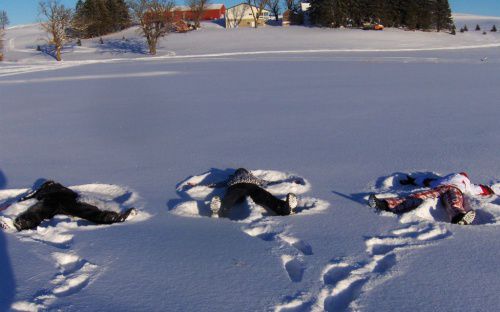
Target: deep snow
[{"x": 347, "y": 122}]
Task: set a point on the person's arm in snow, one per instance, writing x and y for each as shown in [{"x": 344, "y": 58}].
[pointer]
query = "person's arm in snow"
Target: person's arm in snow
[
  {"x": 295, "y": 180},
  {"x": 220, "y": 184},
  {"x": 481, "y": 190},
  {"x": 29, "y": 194},
  {"x": 409, "y": 180}
]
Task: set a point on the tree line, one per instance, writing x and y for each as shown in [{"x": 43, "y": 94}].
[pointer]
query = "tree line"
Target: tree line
[{"x": 410, "y": 14}]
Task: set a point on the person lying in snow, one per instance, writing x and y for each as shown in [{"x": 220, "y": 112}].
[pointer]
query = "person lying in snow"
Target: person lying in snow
[
  {"x": 54, "y": 198},
  {"x": 242, "y": 184},
  {"x": 451, "y": 190}
]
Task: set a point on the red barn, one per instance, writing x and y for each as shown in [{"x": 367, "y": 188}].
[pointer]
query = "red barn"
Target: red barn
[{"x": 212, "y": 12}]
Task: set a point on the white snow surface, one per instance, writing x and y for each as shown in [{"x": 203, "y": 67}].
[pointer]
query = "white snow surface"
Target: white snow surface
[{"x": 348, "y": 111}]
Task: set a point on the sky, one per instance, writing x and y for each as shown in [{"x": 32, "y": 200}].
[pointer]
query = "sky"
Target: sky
[{"x": 25, "y": 11}]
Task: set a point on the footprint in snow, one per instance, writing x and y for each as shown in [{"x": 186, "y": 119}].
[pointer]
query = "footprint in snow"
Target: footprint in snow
[
  {"x": 256, "y": 221},
  {"x": 343, "y": 281}
]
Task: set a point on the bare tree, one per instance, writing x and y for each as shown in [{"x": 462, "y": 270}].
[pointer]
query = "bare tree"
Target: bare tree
[
  {"x": 154, "y": 18},
  {"x": 4, "y": 20},
  {"x": 257, "y": 7},
  {"x": 57, "y": 18},
  {"x": 275, "y": 8},
  {"x": 198, "y": 7}
]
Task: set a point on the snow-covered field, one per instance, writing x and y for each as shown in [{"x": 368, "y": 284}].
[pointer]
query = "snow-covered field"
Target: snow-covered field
[{"x": 345, "y": 111}]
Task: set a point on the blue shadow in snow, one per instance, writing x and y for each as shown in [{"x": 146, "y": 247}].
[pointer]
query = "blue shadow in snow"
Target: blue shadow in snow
[
  {"x": 355, "y": 197},
  {"x": 3, "y": 180},
  {"x": 215, "y": 175},
  {"x": 120, "y": 46}
]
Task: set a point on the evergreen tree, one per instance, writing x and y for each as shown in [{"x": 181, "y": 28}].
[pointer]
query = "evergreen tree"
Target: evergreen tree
[
  {"x": 412, "y": 14},
  {"x": 322, "y": 12},
  {"x": 425, "y": 14},
  {"x": 99, "y": 17},
  {"x": 390, "y": 13},
  {"x": 442, "y": 15},
  {"x": 478, "y": 28},
  {"x": 465, "y": 28},
  {"x": 494, "y": 28}
]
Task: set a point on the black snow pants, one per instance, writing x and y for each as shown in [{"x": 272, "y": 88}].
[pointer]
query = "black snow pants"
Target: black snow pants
[
  {"x": 50, "y": 206},
  {"x": 238, "y": 192}
]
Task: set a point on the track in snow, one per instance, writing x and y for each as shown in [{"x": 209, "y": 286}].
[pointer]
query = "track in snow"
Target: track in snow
[
  {"x": 342, "y": 281},
  {"x": 256, "y": 222}
]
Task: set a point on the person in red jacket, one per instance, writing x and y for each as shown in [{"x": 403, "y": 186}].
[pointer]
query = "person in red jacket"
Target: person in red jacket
[{"x": 451, "y": 189}]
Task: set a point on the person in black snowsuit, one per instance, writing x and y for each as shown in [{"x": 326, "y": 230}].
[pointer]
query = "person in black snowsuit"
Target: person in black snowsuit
[
  {"x": 54, "y": 198},
  {"x": 242, "y": 184}
]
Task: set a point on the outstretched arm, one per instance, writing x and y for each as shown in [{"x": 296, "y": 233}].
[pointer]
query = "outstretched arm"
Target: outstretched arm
[
  {"x": 211, "y": 185},
  {"x": 409, "y": 180},
  {"x": 295, "y": 180},
  {"x": 28, "y": 195},
  {"x": 481, "y": 190},
  {"x": 19, "y": 198}
]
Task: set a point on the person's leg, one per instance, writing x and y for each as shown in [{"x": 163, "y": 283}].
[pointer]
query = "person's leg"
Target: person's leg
[
  {"x": 453, "y": 201},
  {"x": 269, "y": 201},
  {"x": 31, "y": 218},
  {"x": 91, "y": 213},
  {"x": 234, "y": 194},
  {"x": 405, "y": 204}
]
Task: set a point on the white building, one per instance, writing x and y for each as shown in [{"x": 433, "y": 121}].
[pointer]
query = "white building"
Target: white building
[{"x": 242, "y": 15}]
